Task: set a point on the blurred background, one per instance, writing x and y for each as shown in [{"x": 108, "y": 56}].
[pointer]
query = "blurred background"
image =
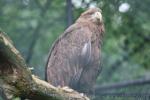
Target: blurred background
[{"x": 33, "y": 25}]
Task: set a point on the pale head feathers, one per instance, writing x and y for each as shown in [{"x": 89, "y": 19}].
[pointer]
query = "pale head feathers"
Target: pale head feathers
[{"x": 92, "y": 14}]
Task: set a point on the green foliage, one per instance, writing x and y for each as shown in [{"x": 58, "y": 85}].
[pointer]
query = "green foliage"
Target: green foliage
[{"x": 126, "y": 40}]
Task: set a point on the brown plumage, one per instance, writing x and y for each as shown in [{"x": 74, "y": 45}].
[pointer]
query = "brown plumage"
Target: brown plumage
[{"x": 74, "y": 59}]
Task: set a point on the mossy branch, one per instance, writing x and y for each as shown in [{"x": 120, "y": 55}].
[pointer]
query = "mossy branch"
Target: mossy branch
[{"x": 16, "y": 80}]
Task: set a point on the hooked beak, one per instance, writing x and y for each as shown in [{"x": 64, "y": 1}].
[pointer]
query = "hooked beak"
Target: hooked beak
[{"x": 97, "y": 16}]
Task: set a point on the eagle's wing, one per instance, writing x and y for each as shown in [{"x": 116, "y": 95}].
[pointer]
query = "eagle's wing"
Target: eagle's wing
[
  {"x": 86, "y": 53},
  {"x": 82, "y": 61},
  {"x": 87, "y": 61},
  {"x": 68, "y": 55}
]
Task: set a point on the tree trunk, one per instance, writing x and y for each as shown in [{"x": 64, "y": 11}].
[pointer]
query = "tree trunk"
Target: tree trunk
[
  {"x": 36, "y": 33},
  {"x": 16, "y": 79},
  {"x": 69, "y": 13}
]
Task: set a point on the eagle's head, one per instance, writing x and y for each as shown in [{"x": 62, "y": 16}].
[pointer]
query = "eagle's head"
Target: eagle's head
[{"x": 93, "y": 15}]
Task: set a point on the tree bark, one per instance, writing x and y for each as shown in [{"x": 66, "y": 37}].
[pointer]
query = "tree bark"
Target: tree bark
[{"x": 16, "y": 79}]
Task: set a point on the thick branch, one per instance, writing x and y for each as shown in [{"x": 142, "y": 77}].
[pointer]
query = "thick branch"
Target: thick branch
[{"x": 16, "y": 79}]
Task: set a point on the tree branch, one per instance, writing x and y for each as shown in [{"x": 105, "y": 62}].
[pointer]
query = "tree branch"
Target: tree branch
[
  {"x": 17, "y": 81},
  {"x": 100, "y": 89},
  {"x": 127, "y": 95}
]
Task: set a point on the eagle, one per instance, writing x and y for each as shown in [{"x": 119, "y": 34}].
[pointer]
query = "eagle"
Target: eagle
[{"x": 74, "y": 58}]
